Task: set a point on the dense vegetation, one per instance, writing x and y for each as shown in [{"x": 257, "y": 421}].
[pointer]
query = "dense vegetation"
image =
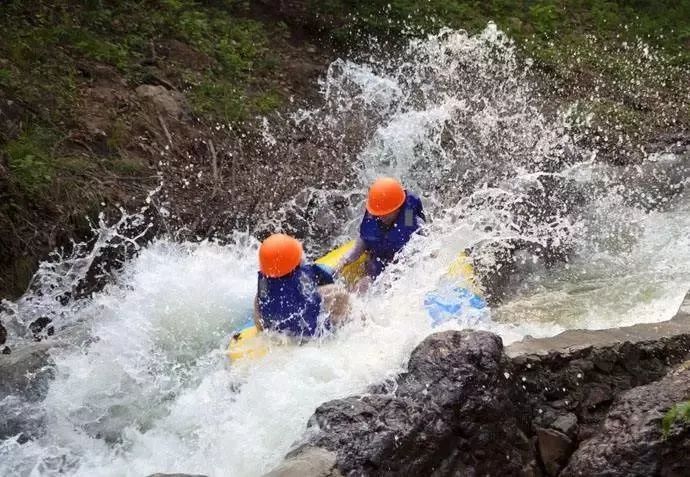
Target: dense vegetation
[
  {"x": 47, "y": 43},
  {"x": 63, "y": 150},
  {"x": 70, "y": 123},
  {"x": 552, "y": 23}
]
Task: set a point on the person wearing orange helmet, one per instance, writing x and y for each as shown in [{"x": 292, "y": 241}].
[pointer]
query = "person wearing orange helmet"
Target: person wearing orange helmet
[
  {"x": 295, "y": 297},
  {"x": 393, "y": 214}
]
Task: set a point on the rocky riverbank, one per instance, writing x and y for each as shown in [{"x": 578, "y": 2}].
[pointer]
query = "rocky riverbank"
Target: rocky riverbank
[{"x": 467, "y": 406}]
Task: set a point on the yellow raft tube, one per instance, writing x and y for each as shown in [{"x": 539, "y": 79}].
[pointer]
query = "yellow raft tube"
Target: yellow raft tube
[{"x": 249, "y": 343}]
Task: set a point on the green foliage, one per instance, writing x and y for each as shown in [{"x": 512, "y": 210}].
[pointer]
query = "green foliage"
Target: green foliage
[
  {"x": 46, "y": 40},
  {"x": 117, "y": 135},
  {"x": 93, "y": 47},
  {"x": 605, "y": 15},
  {"x": 557, "y": 34},
  {"x": 664, "y": 22},
  {"x": 679, "y": 412},
  {"x": 544, "y": 18},
  {"x": 33, "y": 166},
  {"x": 29, "y": 160},
  {"x": 74, "y": 165},
  {"x": 267, "y": 102},
  {"x": 220, "y": 99}
]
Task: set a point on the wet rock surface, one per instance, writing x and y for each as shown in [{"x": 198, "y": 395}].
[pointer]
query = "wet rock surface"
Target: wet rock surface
[
  {"x": 585, "y": 383},
  {"x": 42, "y": 328},
  {"x": 554, "y": 449},
  {"x": 25, "y": 377},
  {"x": 630, "y": 442},
  {"x": 453, "y": 411},
  {"x": 465, "y": 407}
]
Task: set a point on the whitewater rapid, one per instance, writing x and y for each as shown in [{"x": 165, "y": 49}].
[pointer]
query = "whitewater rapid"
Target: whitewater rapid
[{"x": 145, "y": 386}]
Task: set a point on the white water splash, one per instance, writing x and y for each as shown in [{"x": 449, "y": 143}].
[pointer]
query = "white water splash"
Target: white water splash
[{"x": 454, "y": 116}]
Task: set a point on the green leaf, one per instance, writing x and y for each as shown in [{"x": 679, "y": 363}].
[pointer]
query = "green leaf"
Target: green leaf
[{"x": 679, "y": 412}]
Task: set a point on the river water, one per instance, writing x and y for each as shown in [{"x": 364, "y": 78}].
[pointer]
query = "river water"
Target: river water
[{"x": 141, "y": 383}]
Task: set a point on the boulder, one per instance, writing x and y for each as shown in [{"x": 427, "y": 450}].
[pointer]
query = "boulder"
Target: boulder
[
  {"x": 24, "y": 377},
  {"x": 631, "y": 443},
  {"x": 451, "y": 413},
  {"x": 41, "y": 328},
  {"x": 566, "y": 423}
]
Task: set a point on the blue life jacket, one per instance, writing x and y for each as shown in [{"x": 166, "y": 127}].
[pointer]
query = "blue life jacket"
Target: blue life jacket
[
  {"x": 291, "y": 304},
  {"x": 383, "y": 242}
]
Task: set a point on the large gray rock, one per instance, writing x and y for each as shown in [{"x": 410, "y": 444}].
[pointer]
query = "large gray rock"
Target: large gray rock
[
  {"x": 577, "y": 375},
  {"x": 584, "y": 383},
  {"x": 452, "y": 413},
  {"x": 630, "y": 442},
  {"x": 576, "y": 340}
]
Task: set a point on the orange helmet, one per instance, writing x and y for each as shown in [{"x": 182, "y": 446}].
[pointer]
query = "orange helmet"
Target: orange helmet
[
  {"x": 385, "y": 196},
  {"x": 279, "y": 254}
]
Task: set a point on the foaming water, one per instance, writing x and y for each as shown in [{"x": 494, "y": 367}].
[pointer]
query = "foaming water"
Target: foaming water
[
  {"x": 145, "y": 386},
  {"x": 152, "y": 391},
  {"x": 609, "y": 283}
]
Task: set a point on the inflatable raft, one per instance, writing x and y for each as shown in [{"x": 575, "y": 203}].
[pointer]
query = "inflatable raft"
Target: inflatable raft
[{"x": 456, "y": 295}]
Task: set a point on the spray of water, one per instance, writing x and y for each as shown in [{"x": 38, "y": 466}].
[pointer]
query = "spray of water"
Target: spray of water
[{"x": 147, "y": 387}]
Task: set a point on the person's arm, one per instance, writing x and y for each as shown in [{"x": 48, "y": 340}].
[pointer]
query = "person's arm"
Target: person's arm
[
  {"x": 257, "y": 315},
  {"x": 357, "y": 250}
]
